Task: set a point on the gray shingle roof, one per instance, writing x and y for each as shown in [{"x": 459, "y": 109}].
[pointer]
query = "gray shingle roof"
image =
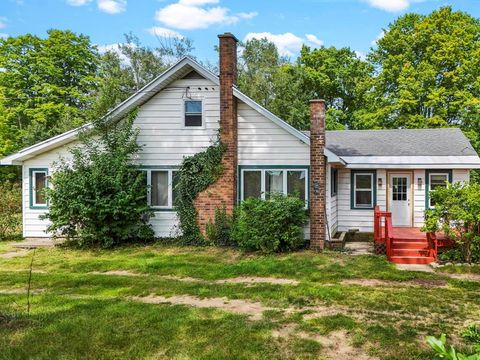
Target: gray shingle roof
[{"x": 401, "y": 142}]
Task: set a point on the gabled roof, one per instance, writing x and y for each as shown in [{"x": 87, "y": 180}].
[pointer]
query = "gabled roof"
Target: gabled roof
[{"x": 175, "y": 72}]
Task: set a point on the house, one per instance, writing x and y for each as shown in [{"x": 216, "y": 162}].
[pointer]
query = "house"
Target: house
[{"x": 341, "y": 175}]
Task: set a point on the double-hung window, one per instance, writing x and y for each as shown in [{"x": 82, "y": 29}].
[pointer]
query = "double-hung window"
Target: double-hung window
[
  {"x": 263, "y": 183},
  {"x": 38, "y": 184},
  {"x": 161, "y": 188},
  {"x": 436, "y": 179},
  {"x": 193, "y": 113},
  {"x": 363, "y": 192}
]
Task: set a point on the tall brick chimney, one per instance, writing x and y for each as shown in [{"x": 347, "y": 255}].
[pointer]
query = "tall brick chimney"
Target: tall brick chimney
[
  {"x": 317, "y": 175},
  {"x": 224, "y": 191}
]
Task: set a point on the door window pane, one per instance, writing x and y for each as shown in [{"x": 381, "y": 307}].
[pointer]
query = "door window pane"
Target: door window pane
[
  {"x": 252, "y": 184},
  {"x": 159, "y": 188},
  {"x": 296, "y": 183},
  {"x": 40, "y": 184},
  {"x": 273, "y": 182},
  {"x": 399, "y": 189}
]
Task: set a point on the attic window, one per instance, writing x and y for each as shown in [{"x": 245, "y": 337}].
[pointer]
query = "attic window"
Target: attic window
[{"x": 193, "y": 113}]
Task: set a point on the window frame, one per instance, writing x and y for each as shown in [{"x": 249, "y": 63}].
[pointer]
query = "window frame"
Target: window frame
[
  {"x": 263, "y": 170},
  {"x": 184, "y": 113},
  {"x": 170, "y": 171},
  {"x": 428, "y": 174},
  {"x": 32, "y": 200},
  {"x": 333, "y": 182},
  {"x": 353, "y": 189}
]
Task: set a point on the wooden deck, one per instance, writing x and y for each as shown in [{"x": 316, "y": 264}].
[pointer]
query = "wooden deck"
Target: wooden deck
[{"x": 414, "y": 233}]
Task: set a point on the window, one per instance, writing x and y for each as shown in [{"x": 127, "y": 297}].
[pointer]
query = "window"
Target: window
[
  {"x": 399, "y": 189},
  {"x": 193, "y": 113},
  {"x": 363, "y": 194},
  {"x": 38, "y": 184},
  {"x": 436, "y": 179},
  {"x": 333, "y": 182},
  {"x": 161, "y": 187},
  {"x": 262, "y": 183}
]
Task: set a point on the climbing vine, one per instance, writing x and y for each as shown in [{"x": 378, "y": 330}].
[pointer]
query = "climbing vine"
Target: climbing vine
[{"x": 196, "y": 173}]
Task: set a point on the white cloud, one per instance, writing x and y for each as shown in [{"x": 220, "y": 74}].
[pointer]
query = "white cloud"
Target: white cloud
[
  {"x": 112, "y": 6},
  {"x": 3, "y": 22},
  {"x": 196, "y": 14},
  {"x": 361, "y": 55},
  {"x": 379, "y": 36},
  {"x": 164, "y": 32},
  {"x": 115, "y": 48},
  {"x": 314, "y": 40},
  {"x": 390, "y": 5},
  {"x": 78, "y": 2},
  {"x": 4, "y": 36},
  {"x": 287, "y": 44}
]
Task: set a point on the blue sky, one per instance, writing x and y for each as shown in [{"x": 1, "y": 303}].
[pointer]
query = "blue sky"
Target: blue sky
[{"x": 289, "y": 23}]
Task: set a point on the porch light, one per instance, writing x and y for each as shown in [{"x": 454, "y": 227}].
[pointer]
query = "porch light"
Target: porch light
[
  {"x": 420, "y": 182},
  {"x": 380, "y": 182}
]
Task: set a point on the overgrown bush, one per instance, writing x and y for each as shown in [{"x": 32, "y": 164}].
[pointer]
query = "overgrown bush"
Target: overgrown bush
[
  {"x": 98, "y": 198},
  {"x": 219, "y": 232},
  {"x": 457, "y": 214},
  {"x": 271, "y": 225},
  {"x": 10, "y": 210},
  {"x": 196, "y": 173},
  {"x": 442, "y": 351}
]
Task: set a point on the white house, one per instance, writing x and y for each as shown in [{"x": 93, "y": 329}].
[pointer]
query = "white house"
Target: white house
[{"x": 180, "y": 113}]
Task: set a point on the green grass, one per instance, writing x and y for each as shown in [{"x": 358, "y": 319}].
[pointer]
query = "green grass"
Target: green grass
[{"x": 76, "y": 313}]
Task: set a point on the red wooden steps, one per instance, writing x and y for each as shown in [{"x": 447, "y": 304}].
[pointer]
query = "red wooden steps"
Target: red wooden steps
[{"x": 410, "y": 250}]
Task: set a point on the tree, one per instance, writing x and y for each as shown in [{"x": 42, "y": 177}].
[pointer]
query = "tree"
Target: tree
[
  {"x": 98, "y": 198},
  {"x": 457, "y": 214},
  {"x": 257, "y": 66},
  {"x": 45, "y": 86},
  {"x": 428, "y": 71}
]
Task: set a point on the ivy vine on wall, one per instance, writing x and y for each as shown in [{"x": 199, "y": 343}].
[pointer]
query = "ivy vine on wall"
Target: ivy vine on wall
[{"x": 196, "y": 173}]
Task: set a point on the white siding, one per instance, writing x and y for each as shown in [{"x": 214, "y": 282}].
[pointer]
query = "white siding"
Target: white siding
[
  {"x": 262, "y": 142},
  {"x": 354, "y": 218},
  {"x": 331, "y": 202}
]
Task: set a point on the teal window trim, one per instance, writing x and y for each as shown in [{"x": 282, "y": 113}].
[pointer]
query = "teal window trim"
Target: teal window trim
[
  {"x": 170, "y": 169},
  {"x": 31, "y": 171},
  {"x": 333, "y": 182},
  {"x": 241, "y": 169},
  {"x": 352, "y": 189},
  {"x": 428, "y": 172}
]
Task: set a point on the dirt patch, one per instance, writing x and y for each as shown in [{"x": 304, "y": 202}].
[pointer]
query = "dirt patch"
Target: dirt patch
[
  {"x": 468, "y": 277},
  {"x": 237, "y": 280},
  {"x": 115, "y": 273},
  {"x": 14, "y": 253},
  {"x": 20, "y": 291},
  {"x": 257, "y": 280},
  {"x": 335, "y": 345},
  {"x": 253, "y": 310},
  {"x": 415, "y": 282}
]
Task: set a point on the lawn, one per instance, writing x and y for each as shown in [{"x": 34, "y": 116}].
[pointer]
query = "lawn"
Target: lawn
[{"x": 158, "y": 302}]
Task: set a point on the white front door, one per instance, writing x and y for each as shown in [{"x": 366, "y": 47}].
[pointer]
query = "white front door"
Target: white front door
[{"x": 400, "y": 199}]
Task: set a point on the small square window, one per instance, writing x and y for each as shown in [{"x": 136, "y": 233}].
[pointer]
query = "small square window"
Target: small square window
[{"x": 193, "y": 113}]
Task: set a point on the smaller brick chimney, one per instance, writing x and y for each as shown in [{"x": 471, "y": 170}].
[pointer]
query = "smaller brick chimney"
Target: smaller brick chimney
[
  {"x": 223, "y": 193},
  {"x": 317, "y": 175}
]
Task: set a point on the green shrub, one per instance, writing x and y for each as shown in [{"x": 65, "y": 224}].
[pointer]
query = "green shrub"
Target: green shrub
[
  {"x": 271, "y": 225},
  {"x": 449, "y": 353},
  {"x": 10, "y": 210},
  {"x": 219, "y": 232},
  {"x": 472, "y": 334},
  {"x": 457, "y": 214},
  {"x": 98, "y": 198}
]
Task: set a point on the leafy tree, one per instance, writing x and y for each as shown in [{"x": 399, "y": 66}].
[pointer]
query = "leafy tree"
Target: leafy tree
[
  {"x": 98, "y": 198},
  {"x": 428, "y": 72},
  {"x": 257, "y": 66},
  {"x": 10, "y": 210},
  {"x": 45, "y": 86},
  {"x": 457, "y": 214}
]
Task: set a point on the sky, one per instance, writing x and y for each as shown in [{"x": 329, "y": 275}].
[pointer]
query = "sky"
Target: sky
[{"x": 288, "y": 23}]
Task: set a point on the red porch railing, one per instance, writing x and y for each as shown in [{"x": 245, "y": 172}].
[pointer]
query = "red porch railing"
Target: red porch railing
[
  {"x": 383, "y": 229},
  {"x": 432, "y": 245}
]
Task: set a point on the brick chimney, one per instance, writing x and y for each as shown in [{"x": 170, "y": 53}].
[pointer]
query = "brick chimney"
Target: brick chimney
[
  {"x": 317, "y": 175},
  {"x": 224, "y": 191}
]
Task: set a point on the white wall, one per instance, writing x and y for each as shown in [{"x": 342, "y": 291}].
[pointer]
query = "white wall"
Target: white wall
[{"x": 363, "y": 219}]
